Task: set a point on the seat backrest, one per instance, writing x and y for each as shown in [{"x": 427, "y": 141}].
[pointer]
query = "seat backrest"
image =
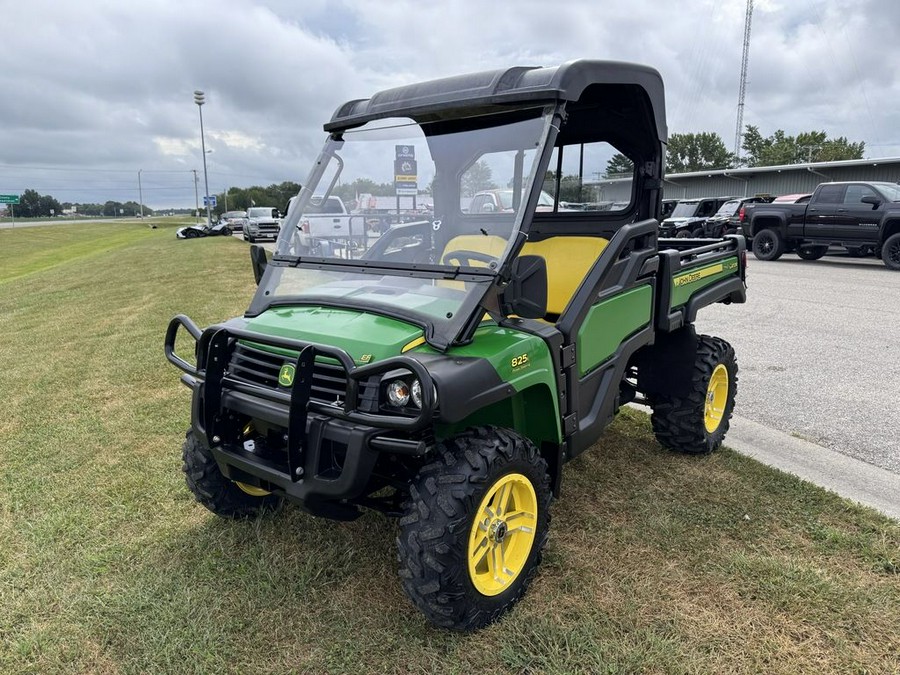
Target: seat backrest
[{"x": 568, "y": 260}]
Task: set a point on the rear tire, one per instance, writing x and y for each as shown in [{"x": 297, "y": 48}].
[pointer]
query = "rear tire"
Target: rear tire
[
  {"x": 697, "y": 422},
  {"x": 812, "y": 252},
  {"x": 473, "y": 530},
  {"x": 227, "y": 232},
  {"x": 216, "y": 492},
  {"x": 697, "y": 233},
  {"x": 890, "y": 252},
  {"x": 768, "y": 245}
]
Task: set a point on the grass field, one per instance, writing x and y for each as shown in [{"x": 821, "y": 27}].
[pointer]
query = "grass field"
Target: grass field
[{"x": 657, "y": 563}]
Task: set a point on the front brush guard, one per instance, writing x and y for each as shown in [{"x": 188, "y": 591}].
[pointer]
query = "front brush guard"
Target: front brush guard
[{"x": 214, "y": 348}]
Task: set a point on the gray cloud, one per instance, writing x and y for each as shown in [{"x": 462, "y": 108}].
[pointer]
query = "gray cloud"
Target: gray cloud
[{"x": 104, "y": 88}]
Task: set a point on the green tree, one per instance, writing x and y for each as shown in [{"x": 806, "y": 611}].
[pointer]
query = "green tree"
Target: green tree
[
  {"x": 618, "y": 165},
  {"x": 807, "y": 146},
  {"x": 697, "y": 152},
  {"x": 477, "y": 177},
  {"x": 29, "y": 205}
]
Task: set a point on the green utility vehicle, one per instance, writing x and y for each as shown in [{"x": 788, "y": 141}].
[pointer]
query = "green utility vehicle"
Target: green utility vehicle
[{"x": 445, "y": 370}]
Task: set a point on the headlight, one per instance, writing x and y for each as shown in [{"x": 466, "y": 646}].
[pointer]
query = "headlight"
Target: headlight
[
  {"x": 398, "y": 393},
  {"x": 416, "y": 393}
]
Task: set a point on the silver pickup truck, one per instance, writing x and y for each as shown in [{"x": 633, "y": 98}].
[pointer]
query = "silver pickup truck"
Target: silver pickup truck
[{"x": 263, "y": 222}]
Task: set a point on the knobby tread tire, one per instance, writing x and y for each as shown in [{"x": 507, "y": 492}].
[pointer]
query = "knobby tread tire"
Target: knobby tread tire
[
  {"x": 678, "y": 422},
  {"x": 434, "y": 529},
  {"x": 215, "y": 491}
]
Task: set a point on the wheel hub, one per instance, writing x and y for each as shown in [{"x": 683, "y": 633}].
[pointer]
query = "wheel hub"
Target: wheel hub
[
  {"x": 502, "y": 534},
  {"x": 716, "y": 398},
  {"x": 498, "y": 531}
]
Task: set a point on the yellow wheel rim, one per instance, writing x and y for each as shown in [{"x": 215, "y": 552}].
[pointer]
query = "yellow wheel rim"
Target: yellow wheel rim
[
  {"x": 502, "y": 534},
  {"x": 716, "y": 398},
  {"x": 252, "y": 490}
]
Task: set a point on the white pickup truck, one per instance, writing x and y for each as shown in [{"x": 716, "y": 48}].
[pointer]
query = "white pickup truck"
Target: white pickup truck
[{"x": 326, "y": 227}]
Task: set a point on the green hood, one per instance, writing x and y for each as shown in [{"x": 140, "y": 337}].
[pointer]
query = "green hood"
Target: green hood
[{"x": 366, "y": 337}]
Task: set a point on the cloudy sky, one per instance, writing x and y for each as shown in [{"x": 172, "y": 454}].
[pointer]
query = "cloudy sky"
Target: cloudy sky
[{"x": 93, "y": 91}]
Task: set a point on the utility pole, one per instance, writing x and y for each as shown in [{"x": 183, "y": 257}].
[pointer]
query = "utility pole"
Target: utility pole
[
  {"x": 196, "y": 196},
  {"x": 739, "y": 127},
  {"x": 141, "y": 193},
  {"x": 225, "y": 198}
]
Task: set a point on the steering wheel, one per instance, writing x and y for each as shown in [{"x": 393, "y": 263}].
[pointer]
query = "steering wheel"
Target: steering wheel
[{"x": 464, "y": 258}]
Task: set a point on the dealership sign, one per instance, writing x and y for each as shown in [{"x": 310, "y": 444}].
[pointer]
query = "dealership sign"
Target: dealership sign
[{"x": 405, "y": 170}]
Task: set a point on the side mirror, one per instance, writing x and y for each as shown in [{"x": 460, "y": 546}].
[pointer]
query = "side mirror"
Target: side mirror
[
  {"x": 869, "y": 199},
  {"x": 259, "y": 261},
  {"x": 526, "y": 294}
]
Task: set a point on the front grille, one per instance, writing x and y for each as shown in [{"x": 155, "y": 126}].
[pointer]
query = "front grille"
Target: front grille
[{"x": 256, "y": 366}]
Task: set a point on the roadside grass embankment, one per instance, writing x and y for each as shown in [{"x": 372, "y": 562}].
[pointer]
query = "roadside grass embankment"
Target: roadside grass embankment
[{"x": 656, "y": 563}]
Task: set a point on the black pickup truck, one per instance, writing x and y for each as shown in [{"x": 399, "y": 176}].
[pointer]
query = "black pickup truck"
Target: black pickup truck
[{"x": 852, "y": 214}]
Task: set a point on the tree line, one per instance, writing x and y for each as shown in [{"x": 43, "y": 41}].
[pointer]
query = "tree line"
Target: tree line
[
  {"x": 706, "y": 151},
  {"x": 685, "y": 152}
]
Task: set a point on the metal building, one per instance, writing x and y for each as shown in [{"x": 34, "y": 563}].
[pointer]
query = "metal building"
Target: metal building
[{"x": 771, "y": 180}]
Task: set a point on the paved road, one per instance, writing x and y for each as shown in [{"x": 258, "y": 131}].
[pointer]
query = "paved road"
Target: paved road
[{"x": 819, "y": 352}]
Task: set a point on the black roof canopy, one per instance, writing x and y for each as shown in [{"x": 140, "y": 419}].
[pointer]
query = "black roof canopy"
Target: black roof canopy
[{"x": 494, "y": 90}]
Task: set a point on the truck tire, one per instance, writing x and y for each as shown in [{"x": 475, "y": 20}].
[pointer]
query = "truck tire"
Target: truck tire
[
  {"x": 217, "y": 493},
  {"x": 472, "y": 532},
  {"x": 768, "y": 245},
  {"x": 682, "y": 234},
  {"x": 696, "y": 422},
  {"x": 812, "y": 252},
  {"x": 697, "y": 233},
  {"x": 890, "y": 252}
]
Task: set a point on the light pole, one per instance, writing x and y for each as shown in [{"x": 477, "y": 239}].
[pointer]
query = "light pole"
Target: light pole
[
  {"x": 141, "y": 193},
  {"x": 200, "y": 99},
  {"x": 196, "y": 197}
]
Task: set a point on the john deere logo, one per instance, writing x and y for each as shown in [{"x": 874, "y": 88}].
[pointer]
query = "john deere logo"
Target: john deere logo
[{"x": 286, "y": 375}]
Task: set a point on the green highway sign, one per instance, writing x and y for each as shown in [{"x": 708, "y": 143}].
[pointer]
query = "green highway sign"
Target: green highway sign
[{"x": 9, "y": 199}]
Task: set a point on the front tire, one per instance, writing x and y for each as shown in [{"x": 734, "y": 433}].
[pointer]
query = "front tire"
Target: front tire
[
  {"x": 473, "y": 530},
  {"x": 696, "y": 422},
  {"x": 216, "y": 492},
  {"x": 768, "y": 245},
  {"x": 890, "y": 252},
  {"x": 812, "y": 252}
]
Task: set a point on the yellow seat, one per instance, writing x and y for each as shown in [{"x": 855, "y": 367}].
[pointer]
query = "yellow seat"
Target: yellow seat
[
  {"x": 568, "y": 261},
  {"x": 491, "y": 245}
]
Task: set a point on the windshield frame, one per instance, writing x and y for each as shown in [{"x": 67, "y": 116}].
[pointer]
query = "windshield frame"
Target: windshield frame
[{"x": 439, "y": 334}]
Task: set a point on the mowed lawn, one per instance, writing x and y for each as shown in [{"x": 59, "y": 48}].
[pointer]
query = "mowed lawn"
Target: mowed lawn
[{"x": 657, "y": 563}]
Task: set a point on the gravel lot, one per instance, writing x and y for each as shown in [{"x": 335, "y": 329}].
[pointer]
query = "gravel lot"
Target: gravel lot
[{"x": 819, "y": 352}]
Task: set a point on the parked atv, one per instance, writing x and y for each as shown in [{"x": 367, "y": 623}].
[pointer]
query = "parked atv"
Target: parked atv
[
  {"x": 447, "y": 370},
  {"x": 194, "y": 231}
]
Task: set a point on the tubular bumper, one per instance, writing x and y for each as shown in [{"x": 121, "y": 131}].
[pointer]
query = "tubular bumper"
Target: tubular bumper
[{"x": 312, "y": 428}]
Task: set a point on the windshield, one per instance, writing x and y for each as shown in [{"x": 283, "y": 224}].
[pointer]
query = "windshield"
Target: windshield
[
  {"x": 233, "y": 214},
  {"x": 889, "y": 190},
  {"x": 729, "y": 209},
  {"x": 260, "y": 212},
  {"x": 684, "y": 210},
  {"x": 403, "y": 245}
]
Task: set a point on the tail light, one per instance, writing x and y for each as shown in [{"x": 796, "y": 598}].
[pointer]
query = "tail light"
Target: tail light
[
  {"x": 741, "y": 214},
  {"x": 304, "y": 226}
]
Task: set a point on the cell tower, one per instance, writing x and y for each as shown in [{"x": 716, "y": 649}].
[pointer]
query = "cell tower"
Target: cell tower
[{"x": 738, "y": 129}]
